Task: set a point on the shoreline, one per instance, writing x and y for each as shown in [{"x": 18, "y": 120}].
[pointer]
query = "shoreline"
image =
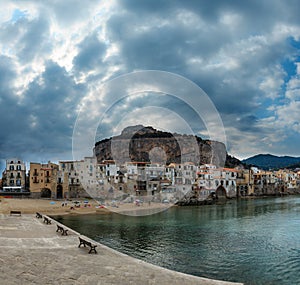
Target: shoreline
[{"x": 54, "y": 207}]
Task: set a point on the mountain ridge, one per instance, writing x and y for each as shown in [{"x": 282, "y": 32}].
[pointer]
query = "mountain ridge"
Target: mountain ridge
[{"x": 270, "y": 161}]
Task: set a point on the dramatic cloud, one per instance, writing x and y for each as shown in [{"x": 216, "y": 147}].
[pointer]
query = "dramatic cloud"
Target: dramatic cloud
[{"x": 54, "y": 58}]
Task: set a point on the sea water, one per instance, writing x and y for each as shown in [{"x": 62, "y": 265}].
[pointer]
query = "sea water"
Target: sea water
[{"x": 255, "y": 241}]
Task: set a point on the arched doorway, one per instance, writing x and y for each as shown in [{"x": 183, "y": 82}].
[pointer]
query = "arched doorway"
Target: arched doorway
[
  {"x": 221, "y": 192},
  {"x": 59, "y": 192},
  {"x": 46, "y": 193}
]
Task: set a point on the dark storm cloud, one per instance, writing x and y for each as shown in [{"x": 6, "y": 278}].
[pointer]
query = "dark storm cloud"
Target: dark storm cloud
[
  {"x": 90, "y": 55},
  {"x": 42, "y": 120},
  {"x": 152, "y": 45},
  {"x": 233, "y": 50},
  {"x": 28, "y": 37},
  {"x": 35, "y": 41},
  {"x": 11, "y": 113},
  {"x": 263, "y": 12},
  {"x": 229, "y": 48},
  {"x": 51, "y": 104},
  {"x": 146, "y": 44},
  {"x": 7, "y": 77}
]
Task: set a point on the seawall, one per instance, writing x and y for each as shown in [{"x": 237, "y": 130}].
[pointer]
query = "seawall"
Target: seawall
[{"x": 34, "y": 253}]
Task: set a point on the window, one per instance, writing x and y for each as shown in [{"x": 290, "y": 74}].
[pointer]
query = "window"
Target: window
[{"x": 11, "y": 167}]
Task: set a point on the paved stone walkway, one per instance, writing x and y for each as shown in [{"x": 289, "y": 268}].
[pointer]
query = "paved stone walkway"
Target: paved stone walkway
[{"x": 32, "y": 252}]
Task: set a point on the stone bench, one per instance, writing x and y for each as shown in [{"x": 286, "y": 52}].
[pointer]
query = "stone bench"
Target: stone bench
[
  {"x": 47, "y": 221},
  {"x": 64, "y": 232},
  {"x": 15, "y": 213},
  {"x": 89, "y": 244}
]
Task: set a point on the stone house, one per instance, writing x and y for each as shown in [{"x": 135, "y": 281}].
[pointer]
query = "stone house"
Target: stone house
[{"x": 43, "y": 181}]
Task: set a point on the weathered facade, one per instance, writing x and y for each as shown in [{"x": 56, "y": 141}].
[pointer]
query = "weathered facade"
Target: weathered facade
[{"x": 43, "y": 180}]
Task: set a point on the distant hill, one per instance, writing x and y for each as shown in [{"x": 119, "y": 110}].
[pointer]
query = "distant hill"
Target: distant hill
[
  {"x": 137, "y": 143},
  {"x": 269, "y": 161}
]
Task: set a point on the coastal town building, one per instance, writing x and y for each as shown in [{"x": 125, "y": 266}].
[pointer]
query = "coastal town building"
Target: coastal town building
[
  {"x": 108, "y": 180},
  {"x": 14, "y": 176},
  {"x": 215, "y": 181},
  {"x": 244, "y": 182},
  {"x": 83, "y": 178},
  {"x": 68, "y": 179},
  {"x": 265, "y": 183},
  {"x": 43, "y": 181},
  {"x": 185, "y": 177}
]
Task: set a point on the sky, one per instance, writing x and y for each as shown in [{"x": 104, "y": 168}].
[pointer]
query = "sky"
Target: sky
[{"x": 64, "y": 63}]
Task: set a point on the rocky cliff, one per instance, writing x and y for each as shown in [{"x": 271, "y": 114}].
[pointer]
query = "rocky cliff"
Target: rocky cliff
[{"x": 146, "y": 144}]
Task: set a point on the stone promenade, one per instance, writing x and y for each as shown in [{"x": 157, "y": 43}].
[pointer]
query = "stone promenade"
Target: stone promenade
[{"x": 32, "y": 252}]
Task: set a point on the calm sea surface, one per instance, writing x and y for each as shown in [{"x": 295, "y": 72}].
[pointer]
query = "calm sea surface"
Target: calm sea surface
[{"x": 250, "y": 241}]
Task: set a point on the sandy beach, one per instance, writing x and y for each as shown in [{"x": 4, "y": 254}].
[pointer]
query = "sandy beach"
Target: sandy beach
[{"x": 87, "y": 206}]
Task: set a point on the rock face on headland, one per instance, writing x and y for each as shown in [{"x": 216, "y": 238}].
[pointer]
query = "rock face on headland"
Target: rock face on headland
[{"x": 146, "y": 144}]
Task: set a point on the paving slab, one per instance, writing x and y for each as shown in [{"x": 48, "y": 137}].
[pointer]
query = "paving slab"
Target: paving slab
[{"x": 32, "y": 252}]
